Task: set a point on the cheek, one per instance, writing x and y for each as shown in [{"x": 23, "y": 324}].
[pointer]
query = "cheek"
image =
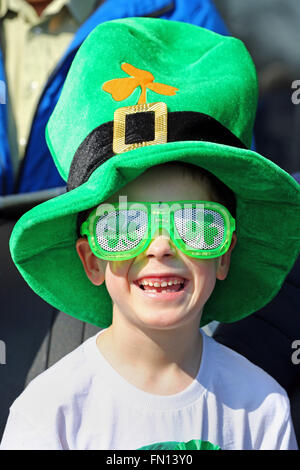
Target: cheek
[
  {"x": 116, "y": 277},
  {"x": 205, "y": 274},
  {"x": 205, "y": 281},
  {"x": 118, "y": 268}
]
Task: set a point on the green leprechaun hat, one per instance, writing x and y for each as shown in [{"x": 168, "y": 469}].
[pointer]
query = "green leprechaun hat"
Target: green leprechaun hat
[{"x": 142, "y": 92}]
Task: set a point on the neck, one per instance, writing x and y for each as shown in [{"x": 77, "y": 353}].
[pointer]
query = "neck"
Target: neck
[
  {"x": 157, "y": 361},
  {"x": 39, "y": 6}
]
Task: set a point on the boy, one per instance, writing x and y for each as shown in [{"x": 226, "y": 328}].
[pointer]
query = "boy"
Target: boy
[{"x": 162, "y": 248}]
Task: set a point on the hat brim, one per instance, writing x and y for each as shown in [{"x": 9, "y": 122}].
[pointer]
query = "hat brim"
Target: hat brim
[{"x": 268, "y": 222}]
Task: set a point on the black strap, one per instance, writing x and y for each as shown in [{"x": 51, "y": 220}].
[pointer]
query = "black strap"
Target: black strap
[{"x": 182, "y": 126}]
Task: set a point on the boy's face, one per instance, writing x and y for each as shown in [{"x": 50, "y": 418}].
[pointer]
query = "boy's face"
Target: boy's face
[{"x": 161, "y": 262}]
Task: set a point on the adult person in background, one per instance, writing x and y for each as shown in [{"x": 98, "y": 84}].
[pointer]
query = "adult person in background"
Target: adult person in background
[{"x": 39, "y": 40}]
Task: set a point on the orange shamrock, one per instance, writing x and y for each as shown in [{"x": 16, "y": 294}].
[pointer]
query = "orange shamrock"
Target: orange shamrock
[{"x": 121, "y": 88}]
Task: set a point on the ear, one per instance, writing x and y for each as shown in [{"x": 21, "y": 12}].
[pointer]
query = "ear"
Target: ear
[
  {"x": 93, "y": 266},
  {"x": 224, "y": 261}
]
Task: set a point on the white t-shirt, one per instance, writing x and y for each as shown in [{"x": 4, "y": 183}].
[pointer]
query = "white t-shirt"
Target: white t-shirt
[{"x": 81, "y": 402}]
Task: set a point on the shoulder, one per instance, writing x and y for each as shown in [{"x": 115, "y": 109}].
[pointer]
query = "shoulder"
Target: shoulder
[
  {"x": 239, "y": 383},
  {"x": 255, "y": 408}
]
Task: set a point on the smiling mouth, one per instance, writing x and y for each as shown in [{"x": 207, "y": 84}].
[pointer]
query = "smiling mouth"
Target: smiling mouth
[{"x": 163, "y": 286}]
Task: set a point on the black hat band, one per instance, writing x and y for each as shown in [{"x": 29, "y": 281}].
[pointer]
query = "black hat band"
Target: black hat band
[{"x": 97, "y": 147}]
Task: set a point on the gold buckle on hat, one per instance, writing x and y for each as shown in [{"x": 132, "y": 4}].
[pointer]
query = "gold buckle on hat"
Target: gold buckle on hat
[{"x": 160, "y": 125}]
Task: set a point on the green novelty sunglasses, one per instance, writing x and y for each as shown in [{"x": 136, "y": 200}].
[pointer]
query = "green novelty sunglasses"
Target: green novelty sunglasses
[{"x": 123, "y": 230}]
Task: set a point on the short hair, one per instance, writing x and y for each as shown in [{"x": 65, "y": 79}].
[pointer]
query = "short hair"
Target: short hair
[{"x": 219, "y": 191}]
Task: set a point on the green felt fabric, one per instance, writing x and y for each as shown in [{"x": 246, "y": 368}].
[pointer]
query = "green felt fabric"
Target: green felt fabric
[{"x": 214, "y": 75}]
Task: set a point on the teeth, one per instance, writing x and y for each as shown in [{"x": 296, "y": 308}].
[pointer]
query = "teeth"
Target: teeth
[
  {"x": 160, "y": 284},
  {"x": 165, "y": 291}
]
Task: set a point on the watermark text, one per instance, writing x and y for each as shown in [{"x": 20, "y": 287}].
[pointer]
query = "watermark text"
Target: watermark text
[
  {"x": 2, "y": 92},
  {"x": 296, "y": 353},
  {"x": 2, "y": 352},
  {"x": 296, "y": 94}
]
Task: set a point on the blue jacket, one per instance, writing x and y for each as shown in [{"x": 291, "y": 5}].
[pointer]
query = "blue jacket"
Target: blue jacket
[{"x": 38, "y": 171}]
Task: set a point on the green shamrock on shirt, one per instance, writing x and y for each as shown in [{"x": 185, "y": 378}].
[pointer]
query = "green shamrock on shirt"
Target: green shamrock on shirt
[{"x": 194, "y": 444}]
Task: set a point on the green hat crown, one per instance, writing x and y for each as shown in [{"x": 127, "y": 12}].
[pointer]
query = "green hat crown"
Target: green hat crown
[{"x": 184, "y": 66}]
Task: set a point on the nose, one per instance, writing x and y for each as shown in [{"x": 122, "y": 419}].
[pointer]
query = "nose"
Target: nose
[{"x": 160, "y": 246}]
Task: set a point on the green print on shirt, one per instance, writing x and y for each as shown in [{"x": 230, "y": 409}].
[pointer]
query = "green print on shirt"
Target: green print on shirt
[{"x": 194, "y": 444}]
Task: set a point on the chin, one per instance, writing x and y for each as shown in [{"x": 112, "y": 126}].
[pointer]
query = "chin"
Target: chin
[{"x": 162, "y": 320}]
